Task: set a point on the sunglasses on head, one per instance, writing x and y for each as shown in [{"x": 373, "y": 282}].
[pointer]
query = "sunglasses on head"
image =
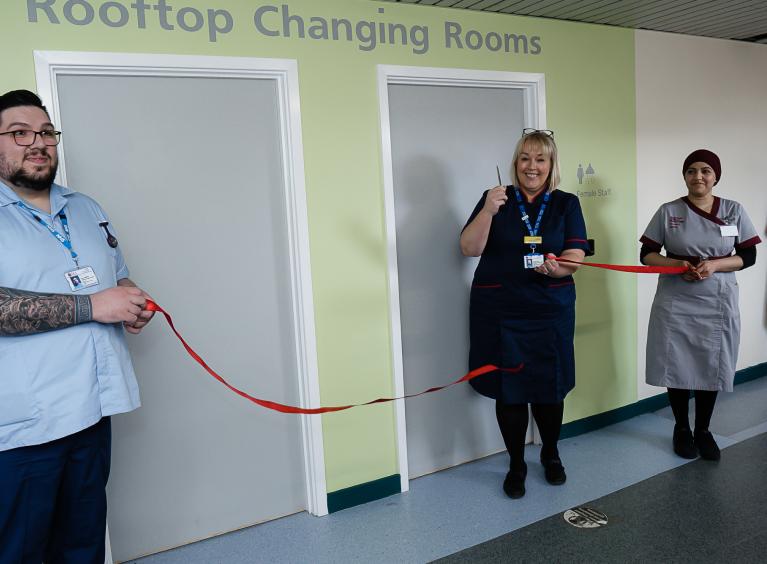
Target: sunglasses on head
[{"x": 530, "y": 130}]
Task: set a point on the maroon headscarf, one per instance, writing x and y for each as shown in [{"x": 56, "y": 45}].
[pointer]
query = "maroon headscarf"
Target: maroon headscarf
[{"x": 704, "y": 156}]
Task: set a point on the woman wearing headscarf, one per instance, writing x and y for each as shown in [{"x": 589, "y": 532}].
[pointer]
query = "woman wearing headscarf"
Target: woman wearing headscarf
[
  {"x": 694, "y": 330},
  {"x": 522, "y": 313}
]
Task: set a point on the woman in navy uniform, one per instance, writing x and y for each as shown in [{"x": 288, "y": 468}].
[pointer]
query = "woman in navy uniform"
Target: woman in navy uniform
[{"x": 522, "y": 315}]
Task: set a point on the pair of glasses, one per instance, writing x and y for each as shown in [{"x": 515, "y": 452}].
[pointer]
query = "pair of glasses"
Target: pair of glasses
[
  {"x": 531, "y": 130},
  {"x": 27, "y": 137}
]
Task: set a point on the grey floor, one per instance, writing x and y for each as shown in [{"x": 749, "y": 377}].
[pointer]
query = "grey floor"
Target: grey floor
[
  {"x": 456, "y": 509},
  {"x": 702, "y": 512}
]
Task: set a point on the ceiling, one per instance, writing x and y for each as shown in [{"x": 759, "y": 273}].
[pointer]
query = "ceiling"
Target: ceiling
[{"x": 742, "y": 20}]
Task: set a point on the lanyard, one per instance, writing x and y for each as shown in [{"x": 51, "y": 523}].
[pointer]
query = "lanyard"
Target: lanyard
[
  {"x": 525, "y": 218},
  {"x": 63, "y": 239}
]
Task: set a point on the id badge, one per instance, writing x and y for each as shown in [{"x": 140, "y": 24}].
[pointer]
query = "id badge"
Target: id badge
[
  {"x": 532, "y": 260},
  {"x": 729, "y": 230},
  {"x": 81, "y": 278}
]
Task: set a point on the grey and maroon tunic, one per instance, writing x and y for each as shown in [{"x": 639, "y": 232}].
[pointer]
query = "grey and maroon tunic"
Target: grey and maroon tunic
[{"x": 694, "y": 329}]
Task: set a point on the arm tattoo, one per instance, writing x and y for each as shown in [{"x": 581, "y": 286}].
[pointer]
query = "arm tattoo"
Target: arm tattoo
[{"x": 27, "y": 313}]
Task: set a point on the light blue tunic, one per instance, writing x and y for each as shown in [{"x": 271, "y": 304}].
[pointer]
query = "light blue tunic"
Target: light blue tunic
[{"x": 57, "y": 383}]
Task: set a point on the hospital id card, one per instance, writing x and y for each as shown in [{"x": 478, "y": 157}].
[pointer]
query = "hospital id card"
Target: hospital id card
[
  {"x": 729, "y": 230},
  {"x": 533, "y": 260},
  {"x": 81, "y": 278}
]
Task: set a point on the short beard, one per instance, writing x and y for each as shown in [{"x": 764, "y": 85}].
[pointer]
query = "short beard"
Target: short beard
[
  {"x": 22, "y": 179},
  {"x": 34, "y": 183}
]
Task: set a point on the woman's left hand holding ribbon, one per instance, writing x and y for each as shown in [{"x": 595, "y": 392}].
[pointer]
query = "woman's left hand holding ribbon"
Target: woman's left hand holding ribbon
[
  {"x": 549, "y": 266},
  {"x": 553, "y": 268}
]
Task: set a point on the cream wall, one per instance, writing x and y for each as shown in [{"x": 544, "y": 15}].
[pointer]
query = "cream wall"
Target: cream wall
[{"x": 691, "y": 93}]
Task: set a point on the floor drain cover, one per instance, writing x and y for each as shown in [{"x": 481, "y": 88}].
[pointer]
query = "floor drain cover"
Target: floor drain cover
[{"x": 585, "y": 518}]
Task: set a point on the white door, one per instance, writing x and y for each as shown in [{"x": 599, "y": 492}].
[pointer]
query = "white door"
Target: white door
[
  {"x": 446, "y": 141},
  {"x": 190, "y": 170}
]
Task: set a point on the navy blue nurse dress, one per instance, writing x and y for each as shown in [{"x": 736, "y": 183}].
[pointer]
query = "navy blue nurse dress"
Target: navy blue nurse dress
[{"x": 519, "y": 316}]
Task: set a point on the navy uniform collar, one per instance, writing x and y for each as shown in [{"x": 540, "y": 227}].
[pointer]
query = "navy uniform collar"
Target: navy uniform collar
[{"x": 537, "y": 199}]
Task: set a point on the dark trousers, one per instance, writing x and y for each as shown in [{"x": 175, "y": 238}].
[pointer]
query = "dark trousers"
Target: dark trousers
[{"x": 53, "y": 504}]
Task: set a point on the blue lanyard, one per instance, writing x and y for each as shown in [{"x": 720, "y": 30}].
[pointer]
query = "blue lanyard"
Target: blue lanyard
[
  {"x": 525, "y": 218},
  {"x": 63, "y": 239}
]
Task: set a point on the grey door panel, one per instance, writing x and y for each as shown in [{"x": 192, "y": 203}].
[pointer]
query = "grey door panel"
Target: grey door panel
[
  {"x": 446, "y": 142},
  {"x": 190, "y": 171}
]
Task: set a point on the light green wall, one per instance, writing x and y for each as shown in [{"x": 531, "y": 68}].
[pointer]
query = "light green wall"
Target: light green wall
[{"x": 590, "y": 104}]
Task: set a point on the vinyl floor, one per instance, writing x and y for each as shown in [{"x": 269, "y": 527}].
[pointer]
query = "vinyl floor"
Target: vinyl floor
[{"x": 660, "y": 508}]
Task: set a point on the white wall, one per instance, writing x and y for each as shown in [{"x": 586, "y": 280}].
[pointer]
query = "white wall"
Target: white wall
[{"x": 693, "y": 93}]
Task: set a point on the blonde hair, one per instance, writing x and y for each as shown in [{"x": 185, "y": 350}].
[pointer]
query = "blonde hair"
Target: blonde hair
[{"x": 544, "y": 143}]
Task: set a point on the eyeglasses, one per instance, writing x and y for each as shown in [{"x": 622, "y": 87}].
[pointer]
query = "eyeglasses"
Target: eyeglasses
[
  {"x": 531, "y": 130},
  {"x": 27, "y": 137}
]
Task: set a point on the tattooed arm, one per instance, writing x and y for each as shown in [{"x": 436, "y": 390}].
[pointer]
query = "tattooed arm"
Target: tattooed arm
[{"x": 24, "y": 313}]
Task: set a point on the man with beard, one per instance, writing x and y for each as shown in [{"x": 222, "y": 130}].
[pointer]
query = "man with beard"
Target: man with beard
[{"x": 65, "y": 297}]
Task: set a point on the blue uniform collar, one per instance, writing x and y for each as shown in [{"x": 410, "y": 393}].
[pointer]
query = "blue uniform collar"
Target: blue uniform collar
[{"x": 59, "y": 196}]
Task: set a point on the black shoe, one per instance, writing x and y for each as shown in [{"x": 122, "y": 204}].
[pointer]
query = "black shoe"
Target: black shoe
[
  {"x": 514, "y": 484},
  {"x": 684, "y": 445},
  {"x": 554, "y": 471},
  {"x": 707, "y": 446}
]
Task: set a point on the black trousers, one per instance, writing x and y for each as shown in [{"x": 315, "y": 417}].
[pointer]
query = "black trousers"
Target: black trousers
[
  {"x": 512, "y": 421},
  {"x": 53, "y": 505}
]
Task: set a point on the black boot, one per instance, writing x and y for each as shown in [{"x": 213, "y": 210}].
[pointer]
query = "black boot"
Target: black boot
[
  {"x": 684, "y": 445},
  {"x": 706, "y": 444},
  {"x": 514, "y": 484}
]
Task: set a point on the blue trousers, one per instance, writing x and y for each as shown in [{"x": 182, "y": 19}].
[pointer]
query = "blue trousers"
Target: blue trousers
[{"x": 53, "y": 504}]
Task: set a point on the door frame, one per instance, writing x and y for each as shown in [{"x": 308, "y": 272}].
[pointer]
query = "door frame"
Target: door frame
[
  {"x": 533, "y": 88},
  {"x": 51, "y": 64}
]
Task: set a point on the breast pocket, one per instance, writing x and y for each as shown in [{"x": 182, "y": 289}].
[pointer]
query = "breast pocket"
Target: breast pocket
[{"x": 94, "y": 251}]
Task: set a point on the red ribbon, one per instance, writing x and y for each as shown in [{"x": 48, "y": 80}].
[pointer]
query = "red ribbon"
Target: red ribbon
[
  {"x": 152, "y": 306},
  {"x": 627, "y": 268}
]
